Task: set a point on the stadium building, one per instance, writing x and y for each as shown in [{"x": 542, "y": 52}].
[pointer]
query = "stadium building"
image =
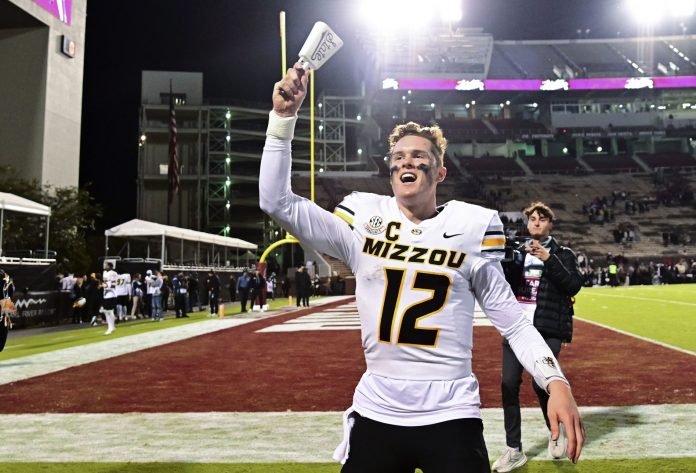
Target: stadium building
[
  {"x": 42, "y": 59},
  {"x": 572, "y": 122}
]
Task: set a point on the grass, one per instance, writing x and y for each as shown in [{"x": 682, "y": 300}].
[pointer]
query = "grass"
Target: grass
[
  {"x": 670, "y": 465},
  {"x": 19, "y": 346},
  {"x": 663, "y": 313}
]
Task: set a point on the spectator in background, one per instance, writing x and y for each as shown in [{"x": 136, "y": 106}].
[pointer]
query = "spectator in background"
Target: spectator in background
[
  {"x": 213, "y": 285},
  {"x": 148, "y": 293},
  {"x": 180, "y": 288},
  {"x": 165, "y": 292},
  {"x": 232, "y": 287},
  {"x": 270, "y": 286},
  {"x": 545, "y": 279},
  {"x": 92, "y": 292},
  {"x": 259, "y": 290},
  {"x": 156, "y": 283},
  {"x": 243, "y": 287},
  {"x": 7, "y": 307},
  {"x": 613, "y": 271},
  {"x": 194, "y": 298},
  {"x": 79, "y": 301},
  {"x": 303, "y": 286},
  {"x": 138, "y": 290}
]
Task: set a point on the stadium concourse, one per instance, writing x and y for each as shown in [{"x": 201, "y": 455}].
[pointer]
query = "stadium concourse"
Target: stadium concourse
[{"x": 271, "y": 388}]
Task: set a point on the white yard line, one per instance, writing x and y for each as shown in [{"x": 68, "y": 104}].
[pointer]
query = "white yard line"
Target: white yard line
[
  {"x": 613, "y": 432},
  {"x": 651, "y": 299},
  {"x": 17, "y": 369}
]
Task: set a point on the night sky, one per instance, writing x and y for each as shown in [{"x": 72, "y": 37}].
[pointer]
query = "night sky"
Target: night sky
[{"x": 236, "y": 45}]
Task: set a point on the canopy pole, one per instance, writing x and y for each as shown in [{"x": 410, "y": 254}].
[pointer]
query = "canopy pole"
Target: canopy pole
[
  {"x": 48, "y": 227},
  {"x": 2, "y": 221},
  {"x": 128, "y": 249},
  {"x": 162, "y": 251},
  {"x": 182, "y": 253},
  {"x": 106, "y": 246}
]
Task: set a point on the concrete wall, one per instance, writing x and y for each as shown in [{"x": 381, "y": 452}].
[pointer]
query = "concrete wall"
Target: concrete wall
[
  {"x": 23, "y": 99},
  {"x": 48, "y": 102}
]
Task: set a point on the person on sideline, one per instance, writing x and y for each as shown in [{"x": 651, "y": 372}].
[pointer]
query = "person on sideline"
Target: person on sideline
[
  {"x": 243, "y": 284},
  {"x": 544, "y": 277},
  {"x": 419, "y": 269},
  {"x": 7, "y": 307},
  {"x": 109, "y": 283},
  {"x": 213, "y": 285}
]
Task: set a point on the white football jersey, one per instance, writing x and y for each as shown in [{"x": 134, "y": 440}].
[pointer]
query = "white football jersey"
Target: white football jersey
[
  {"x": 110, "y": 279},
  {"x": 413, "y": 283},
  {"x": 415, "y": 290},
  {"x": 123, "y": 285}
]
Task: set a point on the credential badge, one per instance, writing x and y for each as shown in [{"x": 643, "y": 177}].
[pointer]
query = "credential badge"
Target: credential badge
[{"x": 374, "y": 225}]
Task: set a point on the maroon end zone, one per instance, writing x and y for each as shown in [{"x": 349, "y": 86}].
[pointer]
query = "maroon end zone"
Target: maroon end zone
[{"x": 240, "y": 370}]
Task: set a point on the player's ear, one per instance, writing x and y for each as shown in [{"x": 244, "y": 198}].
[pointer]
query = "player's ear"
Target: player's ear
[{"x": 441, "y": 173}]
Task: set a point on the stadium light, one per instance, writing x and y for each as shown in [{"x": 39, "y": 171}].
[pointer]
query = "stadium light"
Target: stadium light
[
  {"x": 388, "y": 17},
  {"x": 681, "y": 8},
  {"x": 649, "y": 12},
  {"x": 451, "y": 11}
]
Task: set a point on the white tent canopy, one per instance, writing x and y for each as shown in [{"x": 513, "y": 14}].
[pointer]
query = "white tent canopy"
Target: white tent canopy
[
  {"x": 141, "y": 228},
  {"x": 138, "y": 229},
  {"x": 20, "y": 204},
  {"x": 16, "y": 203}
]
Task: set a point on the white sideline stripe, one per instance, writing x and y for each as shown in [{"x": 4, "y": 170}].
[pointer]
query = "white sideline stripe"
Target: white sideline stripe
[
  {"x": 662, "y": 301},
  {"x": 652, "y": 431},
  {"x": 17, "y": 369},
  {"x": 639, "y": 337}
]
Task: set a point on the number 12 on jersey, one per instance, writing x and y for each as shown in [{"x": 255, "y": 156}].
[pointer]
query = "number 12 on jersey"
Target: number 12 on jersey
[{"x": 409, "y": 333}]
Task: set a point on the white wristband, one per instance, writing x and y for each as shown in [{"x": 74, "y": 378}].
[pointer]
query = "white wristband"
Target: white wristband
[{"x": 282, "y": 128}]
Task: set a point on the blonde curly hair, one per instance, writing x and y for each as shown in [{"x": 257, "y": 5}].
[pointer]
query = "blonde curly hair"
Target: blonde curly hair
[{"x": 430, "y": 133}]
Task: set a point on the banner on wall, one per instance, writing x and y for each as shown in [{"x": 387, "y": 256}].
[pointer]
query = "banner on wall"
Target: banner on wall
[{"x": 61, "y": 9}]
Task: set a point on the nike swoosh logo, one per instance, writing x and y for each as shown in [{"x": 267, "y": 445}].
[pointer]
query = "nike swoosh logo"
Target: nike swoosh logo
[{"x": 445, "y": 235}]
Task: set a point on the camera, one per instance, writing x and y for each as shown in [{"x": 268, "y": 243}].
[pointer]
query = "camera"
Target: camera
[{"x": 515, "y": 244}]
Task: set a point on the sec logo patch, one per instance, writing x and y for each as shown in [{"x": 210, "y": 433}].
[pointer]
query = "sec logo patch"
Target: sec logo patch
[{"x": 375, "y": 225}]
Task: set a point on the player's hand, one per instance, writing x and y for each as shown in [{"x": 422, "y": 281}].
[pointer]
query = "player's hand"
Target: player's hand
[
  {"x": 562, "y": 408},
  {"x": 289, "y": 93}
]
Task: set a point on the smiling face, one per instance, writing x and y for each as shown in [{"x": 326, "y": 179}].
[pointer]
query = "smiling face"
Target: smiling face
[
  {"x": 414, "y": 167},
  {"x": 539, "y": 226}
]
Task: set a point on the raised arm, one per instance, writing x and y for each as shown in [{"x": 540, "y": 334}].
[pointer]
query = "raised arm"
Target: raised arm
[{"x": 308, "y": 222}]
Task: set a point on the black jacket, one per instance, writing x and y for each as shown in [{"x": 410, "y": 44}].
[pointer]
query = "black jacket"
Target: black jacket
[{"x": 560, "y": 281}]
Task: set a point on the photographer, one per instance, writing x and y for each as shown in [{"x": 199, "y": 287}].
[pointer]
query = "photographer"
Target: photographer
[{"x": 544, "y": 277}]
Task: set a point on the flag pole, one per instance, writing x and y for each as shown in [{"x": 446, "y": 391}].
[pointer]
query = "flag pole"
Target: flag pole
[{"x": 169, "y": 157}]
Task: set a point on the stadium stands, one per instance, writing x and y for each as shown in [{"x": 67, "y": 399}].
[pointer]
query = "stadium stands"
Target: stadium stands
[
  {"x": 492, "y": 165},
  {"x": 668, "y": 160},
  {"x": 553, "y": 165},
  {"x": 606, "y": 163}
]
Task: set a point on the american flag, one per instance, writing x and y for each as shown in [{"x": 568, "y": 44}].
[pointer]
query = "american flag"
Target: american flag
[{"x": 174, "y": 182}]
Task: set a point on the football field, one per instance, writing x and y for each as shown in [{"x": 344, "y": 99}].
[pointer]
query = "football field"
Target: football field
[{"x": 264, "y": 392}]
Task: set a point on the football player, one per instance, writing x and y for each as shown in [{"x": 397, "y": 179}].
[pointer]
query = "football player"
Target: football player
[
  {"x": 419, "y": 269},
  {"x": 109, "y": 282}
]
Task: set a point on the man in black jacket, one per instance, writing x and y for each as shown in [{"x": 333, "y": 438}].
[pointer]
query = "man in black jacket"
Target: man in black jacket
[{"x": 544, "y": 277}]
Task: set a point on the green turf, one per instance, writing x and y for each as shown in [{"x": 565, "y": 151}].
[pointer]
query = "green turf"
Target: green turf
[
  {"x": 671, "y": 465},
  {"x": 663, "y": 313},
  {"x": 82, "y": 335}
]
